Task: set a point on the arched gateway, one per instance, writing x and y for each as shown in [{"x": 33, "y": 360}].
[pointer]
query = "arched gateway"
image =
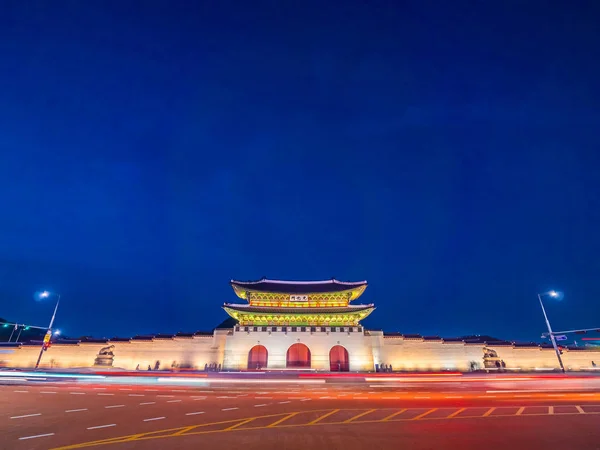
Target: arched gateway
[
  {"x": 258, "y": 357},
  {"x": 338, "y": 359},
  {"x": 298, "y": 357},
  {"x": 316, "y": 312}
]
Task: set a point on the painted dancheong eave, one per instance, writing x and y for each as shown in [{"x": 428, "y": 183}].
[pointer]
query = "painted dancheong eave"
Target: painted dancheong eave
[
  {"x": 326, "y": 292},
  {"x": 338, "y": 316}
]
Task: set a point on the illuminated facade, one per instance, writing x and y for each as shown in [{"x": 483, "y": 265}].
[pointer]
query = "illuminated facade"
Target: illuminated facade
[
  {"x": 298, "y": 324},
  {"x": 308, "y": 303},
  {"x": 285, "y": 325}
]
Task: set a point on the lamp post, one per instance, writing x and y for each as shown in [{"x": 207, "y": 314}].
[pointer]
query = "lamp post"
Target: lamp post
[
  {"x": 552, "y": 294},
  {"x": 47, "y": 294}
]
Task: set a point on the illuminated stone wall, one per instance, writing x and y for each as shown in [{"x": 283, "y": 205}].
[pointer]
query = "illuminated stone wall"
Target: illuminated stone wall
[
  {"x": 532, "y": 358},
  {"x": 277, "y": 344},
  {"x": 230, "y": 348},
  {"x": 429, "y": 355},
  {"x": 185, "y": 352}
]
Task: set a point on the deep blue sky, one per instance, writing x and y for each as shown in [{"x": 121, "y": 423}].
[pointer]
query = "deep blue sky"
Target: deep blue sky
[{"x": 447, "y": 152}]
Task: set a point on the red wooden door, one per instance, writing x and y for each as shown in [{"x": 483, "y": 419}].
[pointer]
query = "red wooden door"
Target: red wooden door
[
  {"x": 258, "y": 357},
  {"x": 298, "y": 356},
  {"x": 338, "y": 359}
]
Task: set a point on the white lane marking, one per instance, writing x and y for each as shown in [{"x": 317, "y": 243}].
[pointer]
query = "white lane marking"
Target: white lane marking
[
  {"x": 194, "y": 413},
  {"x": 415, "y": 397},
  {"x": 229, "y": 409},
  {"x": 332, "y": 397},
  {"x": 454, "y": 396},
  {"x": 136, "y": 395},
  {"x": 283, "y": 403},
  {"x": 104, "y": 393},
  {"x": 147, "y": 403},
  {"x": 125, "y": 389},
  {"x": 76, "y": 410},
  {"x": 151, "y": 390},
  {"x": 266, "y": 398},
  {"x": 580, "y": 409},
  {"x": 168, "y": 396},
  {"x": 306, "y": 400},
  {"x": 22, "y": 391},
  {"x": 263, "y": 404},
  {"x": 100, "y": 388},
  {"x": 77, "y": 393},
  {"x": 583, "y": 395},
  {"x": 114, "y": 406},
  {"x": 556, "y": 395},
  {"x": 520, "y": 390},
  {"x": 198, "y": 398},
  {"x": 154, "y": 418},
  {"x": 48, "y": 392},
  {"x": 102, "y": 426},
  {"x": 26, "y": 415},
  {"x": 520, "y": 411},
  {"x": 550, "y": 410},
  {"x": 224, "y": 396},
  {"x": 36, "y": 436},
  {"x": 173, "y": 401}
]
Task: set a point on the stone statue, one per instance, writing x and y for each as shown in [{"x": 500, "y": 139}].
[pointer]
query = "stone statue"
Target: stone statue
[
  {"x": 106, "y": 351},
  {"x": 105, "y": 356}
]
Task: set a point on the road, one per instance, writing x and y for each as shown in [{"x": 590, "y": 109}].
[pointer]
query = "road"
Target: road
[{"x": 524, "y": 412}]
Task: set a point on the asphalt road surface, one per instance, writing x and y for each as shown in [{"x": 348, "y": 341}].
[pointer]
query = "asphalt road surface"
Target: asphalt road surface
[{"x": 526, "y": 412}]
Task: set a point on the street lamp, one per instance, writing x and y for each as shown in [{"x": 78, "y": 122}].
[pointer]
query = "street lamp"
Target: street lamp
[
  {"x": 42, "y": 295},
  {"x": 553, "y": 294}
]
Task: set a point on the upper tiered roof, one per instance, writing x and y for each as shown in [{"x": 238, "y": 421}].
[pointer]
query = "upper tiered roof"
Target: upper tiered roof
[{"x": 355, "y": 289}]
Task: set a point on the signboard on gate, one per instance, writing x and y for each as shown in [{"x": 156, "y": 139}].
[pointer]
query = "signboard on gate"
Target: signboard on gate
[{"x": 298, "y": 298}]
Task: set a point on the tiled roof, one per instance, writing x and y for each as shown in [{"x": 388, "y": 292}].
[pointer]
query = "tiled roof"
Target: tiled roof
[
  {"x": 298, "y": 287},
  {"x": 163, "y": 336},
  {"x": 432, "y": 338},
  {"x": 142, "y": 338},
  {"x": 298, "y": 310}
]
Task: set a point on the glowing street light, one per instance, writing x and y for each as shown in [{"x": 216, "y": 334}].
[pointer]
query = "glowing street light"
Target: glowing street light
[
  {"x": 57, "y": 332},
  {"x": 43, "y": 295},
  {"x": 556, "y": 295}
]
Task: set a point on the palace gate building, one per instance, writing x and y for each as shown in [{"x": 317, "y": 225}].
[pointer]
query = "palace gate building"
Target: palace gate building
[{"x": 296, "y": 325}]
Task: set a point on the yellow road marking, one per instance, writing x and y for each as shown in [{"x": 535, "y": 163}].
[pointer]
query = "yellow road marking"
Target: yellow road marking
[
  {"x": 520, "y": 411},
  {"x": 397, "y": 413},
  {"x": 359, "y": 415},
  {"x": 177, "y": 431},
  {"x": 488, "y": 412},
  {"x": 318, "y": 419},
  {"x": 184, "y": 430},
  {"x": 455, "y": 413},
  {"x": 420, "y": 416},
  {"x": 239, "y": 424},
  {"x": 277, "y": 422}
]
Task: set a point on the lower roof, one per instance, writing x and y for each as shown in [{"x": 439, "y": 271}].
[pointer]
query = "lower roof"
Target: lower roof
[{"x": 298, "y": 310}]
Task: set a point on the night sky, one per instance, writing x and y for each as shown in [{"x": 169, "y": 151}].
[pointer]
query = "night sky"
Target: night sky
[{"x": 447, "y": 152}]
